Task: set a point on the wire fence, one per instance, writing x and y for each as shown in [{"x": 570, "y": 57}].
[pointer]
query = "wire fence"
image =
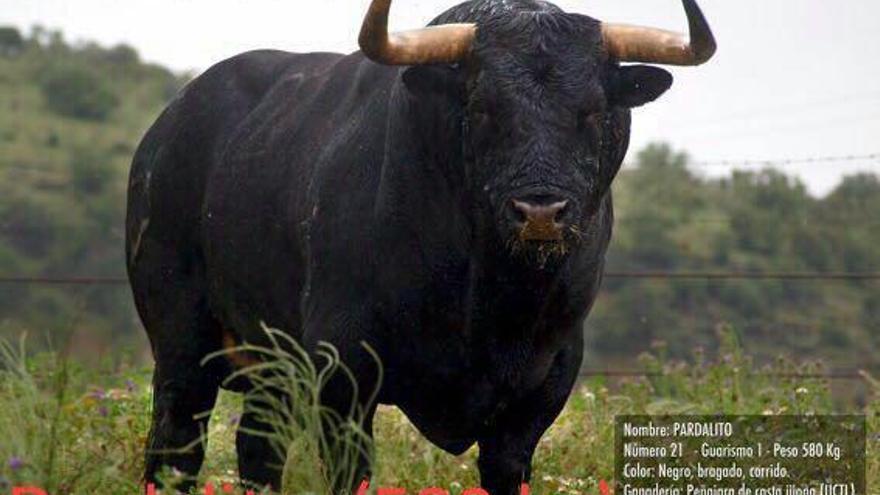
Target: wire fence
[
  {"x": 847, "y": 374},
  {"x": 624, "y": 275},
  {"x": 771, "y": 162},
  {"x": 725, "y": 276},
  {"x": 858, "y": 374},
  {"x": 872, "y": 158}
]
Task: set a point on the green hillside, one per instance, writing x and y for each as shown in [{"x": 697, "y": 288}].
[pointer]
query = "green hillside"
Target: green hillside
[
  {"x": 670, "y": 219},
  {"x": 71, "y": 117}
]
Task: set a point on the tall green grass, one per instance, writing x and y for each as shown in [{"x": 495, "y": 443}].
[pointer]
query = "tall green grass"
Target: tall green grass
[
  {"x": 81, "y": 431},
  {"x": 62, "y": 430},
  {"x": 322, "y": 447},
  {"x": 578, "y": 449}
]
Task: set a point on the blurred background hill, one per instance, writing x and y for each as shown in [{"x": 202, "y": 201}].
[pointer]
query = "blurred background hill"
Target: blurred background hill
[
  {"x": 70, "y": 119},
  {"x": 71, "y": 116}
]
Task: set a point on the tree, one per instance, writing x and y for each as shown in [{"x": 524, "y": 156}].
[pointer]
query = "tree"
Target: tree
[
  {"x": 90, "y": 171},
  {"x": 75, "y": 91},
  {"x": 11, "y": 41}
]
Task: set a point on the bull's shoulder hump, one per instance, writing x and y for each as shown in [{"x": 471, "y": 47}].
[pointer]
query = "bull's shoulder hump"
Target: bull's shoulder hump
[{"x": 256, "y": 71}]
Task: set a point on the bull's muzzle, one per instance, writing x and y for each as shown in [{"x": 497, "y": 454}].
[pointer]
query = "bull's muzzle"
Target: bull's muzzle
[{"x": 540, "y": 221}]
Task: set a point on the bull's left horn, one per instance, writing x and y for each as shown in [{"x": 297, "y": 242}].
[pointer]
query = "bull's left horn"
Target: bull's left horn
[
  {"x": 650, "y": 45},
  {"x": 444, "y": 44}
]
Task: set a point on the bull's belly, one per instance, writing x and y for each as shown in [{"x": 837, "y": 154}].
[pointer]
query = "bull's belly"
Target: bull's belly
[
  {"x": 452, "y": 414},
  {"x": 444, "y": 423},
  {"x": 451, "y": 433}
]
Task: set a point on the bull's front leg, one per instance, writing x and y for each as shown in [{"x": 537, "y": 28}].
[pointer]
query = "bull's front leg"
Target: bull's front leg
[
  {"x": 349, "y": 396},
  {"x": 507, "y": 448},
  {"x": 347, "y": 449}
]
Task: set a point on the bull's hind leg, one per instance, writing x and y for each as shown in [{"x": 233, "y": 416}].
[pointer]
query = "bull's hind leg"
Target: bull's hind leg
[
  {"x": 259, "y": 463},
  {"x": 182, "y": 332},
  {"x": 183, "y": 397}
]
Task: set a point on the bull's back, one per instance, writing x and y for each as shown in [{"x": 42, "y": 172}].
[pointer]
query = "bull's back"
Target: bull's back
[
  {"x": 173, "y": 165},
  {"x": 170, "y": 167},
  {"x": 307, "y": 153}
]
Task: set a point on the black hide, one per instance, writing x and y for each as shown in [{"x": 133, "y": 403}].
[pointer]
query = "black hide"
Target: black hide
[{"x": 343, "y": 201}]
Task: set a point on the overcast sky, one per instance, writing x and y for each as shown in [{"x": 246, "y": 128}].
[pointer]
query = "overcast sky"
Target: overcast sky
[{"x": 792, "y": 78}]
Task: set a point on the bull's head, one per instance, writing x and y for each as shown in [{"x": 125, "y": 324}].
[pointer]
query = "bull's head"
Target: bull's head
[{"x": 544, "y": 101}]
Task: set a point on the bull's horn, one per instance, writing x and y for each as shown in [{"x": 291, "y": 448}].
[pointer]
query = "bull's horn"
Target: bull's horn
[
  {"x": 651, "y": 45},
  {"x": 444, "y": 44}
]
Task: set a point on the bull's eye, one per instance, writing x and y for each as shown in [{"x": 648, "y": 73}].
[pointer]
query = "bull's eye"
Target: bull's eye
[
  {"x": 590, "y": 126},
  {"x": 483, "y": 125},
  {"x": 588, "y": 121}
]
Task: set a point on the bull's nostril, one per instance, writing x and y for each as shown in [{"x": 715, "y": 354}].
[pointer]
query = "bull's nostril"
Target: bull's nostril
[
  {"x": 563, "y": 211},
  {"x": 523, "y": 212},
  {"x": 519, "y": 214}
]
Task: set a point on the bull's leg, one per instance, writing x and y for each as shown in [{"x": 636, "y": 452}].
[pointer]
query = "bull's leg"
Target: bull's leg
[
  {"x": 259, "y": 464},
  {"x": 506, "y": 449},
  {"x": 351, "y": 454},
  {"x": 183, "y": 396},
  {"x": 350, "y": 394},
  {"x": 170, "y": 298}
]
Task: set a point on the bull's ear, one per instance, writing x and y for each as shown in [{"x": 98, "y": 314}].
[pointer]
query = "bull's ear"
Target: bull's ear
[
  {"x": 635, "y": 85},
  {"x": 432, "y": 79}
]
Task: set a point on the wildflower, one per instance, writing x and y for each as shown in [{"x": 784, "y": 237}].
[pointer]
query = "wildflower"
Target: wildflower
[
  {"x": 234, "y": 419},
  {"x": 15, "y": 463},
  {"x": 98, "y": 394},
  {"x": 103, "y": 411},
  {"x": 130, "y": 386},
  {"x": 801, "y": 391}
]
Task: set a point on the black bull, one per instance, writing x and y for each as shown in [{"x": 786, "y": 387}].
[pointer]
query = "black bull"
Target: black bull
[{"x": 455, "y": 217}]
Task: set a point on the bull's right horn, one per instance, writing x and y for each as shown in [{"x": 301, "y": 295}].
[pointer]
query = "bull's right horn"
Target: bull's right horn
[
  {"x": 444, "y": 44},
  {"x": 651, "y": 45}
]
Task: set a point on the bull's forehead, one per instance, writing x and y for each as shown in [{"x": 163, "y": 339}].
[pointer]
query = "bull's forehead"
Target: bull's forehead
[
  {"x": 539, "y": 32},
  {"x": 515, "y": 81},
  {"x": 574, "y": 77},
  {"x": 538, "y": 54}
]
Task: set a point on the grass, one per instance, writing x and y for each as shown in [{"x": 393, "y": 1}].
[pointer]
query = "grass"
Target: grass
[
  {"x": 286, "y": 393},
  {"x": 81, "y": 430}
]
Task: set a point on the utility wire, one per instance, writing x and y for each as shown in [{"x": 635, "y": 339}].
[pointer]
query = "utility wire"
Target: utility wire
[
  {"x": 632, "y": 275},
  {"x": 728, "y": 162},
  {"x": 63, "y": 280},
  {"x": 785, "y": 161},
  {"x": 745, "y": 275},
  {"x": 851, "y": 374}
]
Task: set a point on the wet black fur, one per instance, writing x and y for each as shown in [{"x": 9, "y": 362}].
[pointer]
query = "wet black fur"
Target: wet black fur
[{"x": 345, "y": 201}]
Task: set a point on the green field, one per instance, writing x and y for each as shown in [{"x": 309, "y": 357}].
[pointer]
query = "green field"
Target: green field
[{"x": 81, "y": 430}]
